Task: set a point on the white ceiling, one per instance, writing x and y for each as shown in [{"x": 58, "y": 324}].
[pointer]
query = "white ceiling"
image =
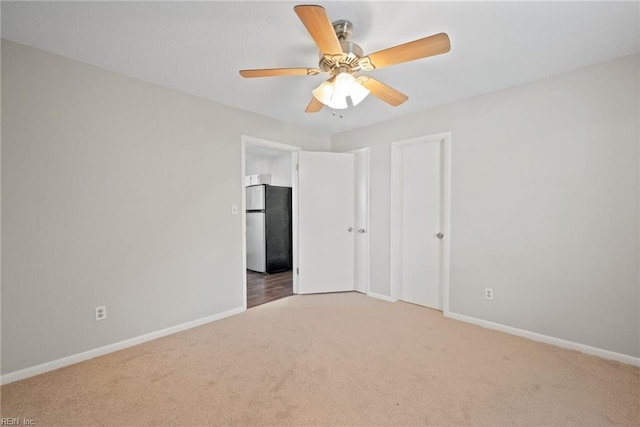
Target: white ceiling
[{"x": 198, "y": 47}]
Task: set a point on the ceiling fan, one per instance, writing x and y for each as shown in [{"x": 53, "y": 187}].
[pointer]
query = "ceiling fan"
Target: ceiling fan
[{"x": 341, "y": 58}]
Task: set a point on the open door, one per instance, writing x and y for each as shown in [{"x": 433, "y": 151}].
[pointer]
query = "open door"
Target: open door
[{"x": 325, "y": 222}]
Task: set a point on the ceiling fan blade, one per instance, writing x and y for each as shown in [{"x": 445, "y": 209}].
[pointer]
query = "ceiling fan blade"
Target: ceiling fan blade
[
  {"x": 275, "y": 72},
  {"x": 320, "y": 28},
  {"x": 314, "y": 106},
  {"x": 417, "y": 49},
  {"x": 382, "y": 91}
]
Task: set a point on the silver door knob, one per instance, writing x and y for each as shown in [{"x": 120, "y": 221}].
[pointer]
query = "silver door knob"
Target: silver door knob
[
  {"x": 350, "y": 229},
  {"x": 440, "y": 235},
  {"x": 361, "y": 230}
]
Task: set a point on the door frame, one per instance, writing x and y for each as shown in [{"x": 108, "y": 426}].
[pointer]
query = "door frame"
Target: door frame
[
  {"x": 285, "y": 148},
  {"x": 396, "y": 225},
  {"x": 367, "y": 255}
]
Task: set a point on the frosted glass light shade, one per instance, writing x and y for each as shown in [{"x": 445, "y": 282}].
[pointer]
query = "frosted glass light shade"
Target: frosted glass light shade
[
  {"x": 347, "y": 85},
  {"x": 334, "y": 93},
  {"x": 326, "y": 93}
]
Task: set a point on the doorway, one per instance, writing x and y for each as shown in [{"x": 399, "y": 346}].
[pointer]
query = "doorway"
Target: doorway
[
  {"x": 420, "y": 226},
  {"x": 357, "y": 226},
  {"x": 272, "y": 163}
]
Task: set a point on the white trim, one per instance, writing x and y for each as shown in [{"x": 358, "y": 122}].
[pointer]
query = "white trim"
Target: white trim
[
  {"x": 583, "y": 348},
  {"x": 243, "y": 219},
  {"x": 294, "y": 217},
  {"x": 267, "y": 143},
  {"x": 367, "y": 256},
  {"x": 380, "y": 296},
  {"x": 110, "y": 348},
  {"x": 252, "y": 140},
  {"x": 446, "y": 221},
  {"x": 395, "y": 246},
  {"x": 395, "y": 224}
]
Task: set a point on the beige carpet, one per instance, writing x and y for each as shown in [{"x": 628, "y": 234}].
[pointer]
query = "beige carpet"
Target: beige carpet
[{"x": 337, "y": 359}]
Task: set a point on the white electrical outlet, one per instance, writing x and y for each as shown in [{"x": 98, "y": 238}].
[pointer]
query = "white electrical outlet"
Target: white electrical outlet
[
  {"x": 488, "y": 293},
  {"x": 101, "y": 312}
]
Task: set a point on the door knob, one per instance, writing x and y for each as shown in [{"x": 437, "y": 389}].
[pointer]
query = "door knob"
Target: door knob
[
  {"x": 350, "y": 229},
  {"x": 361, "y": 230},
  {"x": 440, "y": 235}
]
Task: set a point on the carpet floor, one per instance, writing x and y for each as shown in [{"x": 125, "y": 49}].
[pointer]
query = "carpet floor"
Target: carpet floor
[{"x": 333, "y": 359}]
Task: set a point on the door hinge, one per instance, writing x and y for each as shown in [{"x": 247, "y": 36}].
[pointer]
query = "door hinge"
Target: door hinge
[{"x": 297, "y": 271}]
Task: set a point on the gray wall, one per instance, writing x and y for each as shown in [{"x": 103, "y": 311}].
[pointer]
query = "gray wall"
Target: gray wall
[
  {"x": 118, "y": 192},
  {"x": 544, "y": 203},
  {"x": 115, "y": 192}
]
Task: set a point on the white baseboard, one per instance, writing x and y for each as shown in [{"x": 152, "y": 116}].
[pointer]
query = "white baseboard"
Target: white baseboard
[
  {"x": 605, "y": 354},
  {"x": 100, "y": 351},
  {"x": 110, "y": 348},
  {"x": 380, "y": 296}
]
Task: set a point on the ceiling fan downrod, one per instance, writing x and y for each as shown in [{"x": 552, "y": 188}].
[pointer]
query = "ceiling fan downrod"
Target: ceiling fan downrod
[{"x": 343, "y": 29}]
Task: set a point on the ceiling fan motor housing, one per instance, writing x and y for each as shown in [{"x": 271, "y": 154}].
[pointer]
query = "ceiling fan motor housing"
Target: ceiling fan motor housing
[{"x": 351, "y": 59}]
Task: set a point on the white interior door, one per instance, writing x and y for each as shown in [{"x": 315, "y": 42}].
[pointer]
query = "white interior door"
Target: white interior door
[
  {"x": 421, "y": 222},
  {"x": 325, "y": 222}
]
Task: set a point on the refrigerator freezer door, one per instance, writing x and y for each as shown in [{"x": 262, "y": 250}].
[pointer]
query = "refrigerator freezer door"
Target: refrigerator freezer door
[
  {"x": 256, "y": 250},
  {"x": 278, "y": 228},
  {"x": 255, "y": 197}
]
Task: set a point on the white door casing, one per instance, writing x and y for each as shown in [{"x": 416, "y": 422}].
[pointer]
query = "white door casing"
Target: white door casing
[
  {"x": 420, "y": 200},
  {"x": 361, "y": 216},
  {"x": 325, "y": 222}
]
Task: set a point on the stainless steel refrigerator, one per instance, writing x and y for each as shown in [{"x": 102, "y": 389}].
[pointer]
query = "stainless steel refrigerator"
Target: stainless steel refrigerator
[{"x": 269, "y": 236}]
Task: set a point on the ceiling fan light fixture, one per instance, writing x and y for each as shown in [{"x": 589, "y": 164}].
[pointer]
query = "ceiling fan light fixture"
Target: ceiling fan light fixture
[{"x": 334, "y": 92}]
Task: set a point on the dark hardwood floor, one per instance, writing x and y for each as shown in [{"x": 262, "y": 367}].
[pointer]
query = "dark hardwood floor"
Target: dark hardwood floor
[{"x": 262, "y": 288}]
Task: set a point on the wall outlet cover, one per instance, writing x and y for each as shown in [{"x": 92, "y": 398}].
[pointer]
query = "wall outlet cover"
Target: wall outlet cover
[{"x": 101, "y": 312}]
